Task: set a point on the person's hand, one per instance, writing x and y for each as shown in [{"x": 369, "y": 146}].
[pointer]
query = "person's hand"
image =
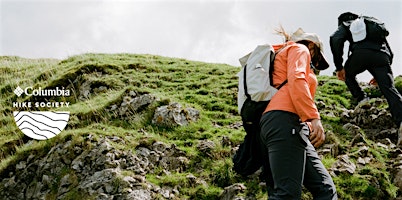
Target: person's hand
[
  {"x": 373, "y": 82},
  {"x": 317, "y": 136},
  {"x": 341, "y": 74}
]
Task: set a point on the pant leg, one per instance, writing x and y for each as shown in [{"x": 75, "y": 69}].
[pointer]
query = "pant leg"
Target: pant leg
[
  {"x": 353, "y": 67},
  {"x": 285, "y": 154},
  {"x": 378, "y": 64},
  {"x": 316, "y": 178},
  {"x": 383, "y": 74}
]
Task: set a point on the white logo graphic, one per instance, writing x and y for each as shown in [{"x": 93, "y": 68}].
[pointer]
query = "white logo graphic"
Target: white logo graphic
[
  {"x": 30, "y": 91},
  {"x": 41, "y": 125},
  {"x": 18, "y": 91}
]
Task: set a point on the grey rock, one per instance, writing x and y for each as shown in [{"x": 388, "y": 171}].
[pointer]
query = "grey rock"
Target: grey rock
[{"x": 174, "y": 115}]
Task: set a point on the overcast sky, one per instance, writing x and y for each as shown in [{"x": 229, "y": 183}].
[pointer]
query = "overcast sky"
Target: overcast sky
[{"x": 217, "y": 31}]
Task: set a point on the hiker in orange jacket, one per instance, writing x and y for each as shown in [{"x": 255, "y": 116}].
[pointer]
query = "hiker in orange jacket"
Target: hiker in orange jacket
[{"x": 290, "y": 159}]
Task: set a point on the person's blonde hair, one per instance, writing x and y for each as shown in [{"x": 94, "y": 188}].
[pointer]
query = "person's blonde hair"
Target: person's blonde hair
[{"x": 281, "y": 31}]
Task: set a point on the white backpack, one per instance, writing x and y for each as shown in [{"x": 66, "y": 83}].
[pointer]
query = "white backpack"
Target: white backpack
[
  {"x": 255, "y": 91},
  {"x": 254, "y": 77}
]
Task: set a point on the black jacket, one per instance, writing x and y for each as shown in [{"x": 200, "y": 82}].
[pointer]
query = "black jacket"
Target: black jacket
[{"x": 341, "y": 35}]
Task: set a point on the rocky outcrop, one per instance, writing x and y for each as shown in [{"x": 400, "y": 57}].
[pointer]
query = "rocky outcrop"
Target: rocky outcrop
[
  {"x": 171, "y": 115},
  {"x": 131, "y": 103},
  {"x": 174, "y": 115},
  {"x": 95, "y": 169},
  {"x": 230, "y": 192},
  {"x": 370, "y": 120}
]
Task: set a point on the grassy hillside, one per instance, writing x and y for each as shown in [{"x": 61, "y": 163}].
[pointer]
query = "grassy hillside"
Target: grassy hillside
[{"x": 209, "y": 88}]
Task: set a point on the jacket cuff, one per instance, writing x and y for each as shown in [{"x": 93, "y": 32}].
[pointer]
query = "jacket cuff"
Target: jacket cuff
[{"x": 339, "y": 68}]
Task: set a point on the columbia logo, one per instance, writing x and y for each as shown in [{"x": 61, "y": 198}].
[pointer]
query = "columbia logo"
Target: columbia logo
[{"x": 18, "y": 91}]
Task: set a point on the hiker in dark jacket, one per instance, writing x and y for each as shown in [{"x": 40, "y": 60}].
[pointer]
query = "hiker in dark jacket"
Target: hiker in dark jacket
[{"x": 374, "y": 56}]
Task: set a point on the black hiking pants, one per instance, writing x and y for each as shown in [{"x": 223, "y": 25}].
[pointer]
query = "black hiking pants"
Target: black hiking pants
[
  {"x": 290, "y": 160},
  {"x": 378, "y": 64}
]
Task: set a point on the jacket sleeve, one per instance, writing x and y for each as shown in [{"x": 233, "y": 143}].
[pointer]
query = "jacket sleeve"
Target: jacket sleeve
[
  {"x": 299, "y": 90},
  {"x": 337, "y": 41}
]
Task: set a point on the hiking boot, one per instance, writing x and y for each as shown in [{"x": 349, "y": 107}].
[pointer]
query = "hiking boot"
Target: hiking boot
[{"x": 399, "y": 143}]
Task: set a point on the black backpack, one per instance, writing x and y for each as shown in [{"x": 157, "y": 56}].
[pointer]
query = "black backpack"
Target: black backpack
[
  {"x": 366, "y": 28},
  {"x": 375, "y": 29}
]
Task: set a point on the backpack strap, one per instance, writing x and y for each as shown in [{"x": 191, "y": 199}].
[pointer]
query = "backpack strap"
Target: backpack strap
[
  {"x": 245, "y": 82},
  {"x": 282, "y": 84}
]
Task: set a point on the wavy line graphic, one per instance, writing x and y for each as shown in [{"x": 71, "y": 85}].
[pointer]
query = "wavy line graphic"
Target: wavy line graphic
[{"x": 41, "y": 125}]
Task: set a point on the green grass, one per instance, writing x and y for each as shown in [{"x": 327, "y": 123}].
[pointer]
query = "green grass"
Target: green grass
[{"x": 208, "y": 87}]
